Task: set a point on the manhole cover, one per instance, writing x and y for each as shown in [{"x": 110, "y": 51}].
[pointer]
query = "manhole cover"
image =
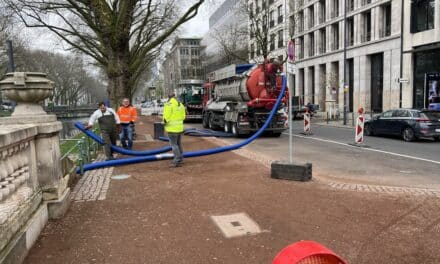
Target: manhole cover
[
  {"x": 121, "y": 177},
  {"x": 235, "y": 225}
]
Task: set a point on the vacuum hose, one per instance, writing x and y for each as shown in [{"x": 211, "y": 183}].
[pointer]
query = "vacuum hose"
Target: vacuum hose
[
  {"x": 119, "y": 149},
  {"x": 197, "y": 153}
]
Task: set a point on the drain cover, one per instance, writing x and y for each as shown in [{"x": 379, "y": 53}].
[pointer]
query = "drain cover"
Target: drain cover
[
  {"x": 235, "y": 225},
  {"x": 121, "y": 177}
]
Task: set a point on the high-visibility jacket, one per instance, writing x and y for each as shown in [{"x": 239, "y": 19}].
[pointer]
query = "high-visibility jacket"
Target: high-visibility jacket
[
  {"x": 127, "y": 114},
  {"x": 173, "y": 116}
]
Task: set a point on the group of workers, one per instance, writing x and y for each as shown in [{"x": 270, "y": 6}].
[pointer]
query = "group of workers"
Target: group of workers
[{"x": 123, "y": 121}]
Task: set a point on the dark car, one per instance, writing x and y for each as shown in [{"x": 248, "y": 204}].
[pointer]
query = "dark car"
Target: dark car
[{"x": 410, "y": 124}]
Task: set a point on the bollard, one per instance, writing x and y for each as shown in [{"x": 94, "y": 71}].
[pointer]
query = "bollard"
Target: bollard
[
  {"x": 359, "y": 135},
  {"x": 307, "y": 125}
]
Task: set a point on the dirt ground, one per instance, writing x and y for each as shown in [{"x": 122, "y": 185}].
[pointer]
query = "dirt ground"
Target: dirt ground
[{"x": 162, "y": 215}]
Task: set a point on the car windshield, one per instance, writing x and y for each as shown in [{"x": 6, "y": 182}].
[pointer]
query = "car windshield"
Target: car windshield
[{"x": 431, "y": 115}]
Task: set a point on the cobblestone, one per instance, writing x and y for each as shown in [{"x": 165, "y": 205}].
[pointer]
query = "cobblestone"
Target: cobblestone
[{"x": 93, "y": 185}]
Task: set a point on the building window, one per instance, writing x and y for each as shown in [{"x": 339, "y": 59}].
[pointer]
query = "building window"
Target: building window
[
  {"x": 271, "y": 19},
  {"x": 311, "y": 45},
  {"x": 301, "y": 48},
  {"x": 280, "y": 39},
  {"x": 311, "y": 17},
  {"x": 272, "y": 42},
  {"x": 385, "y": 30},
  {"x": 335, "y": 9},
  {"x": 252, "y": 50},
  {"x": 322, "y": 11},
  {"x": 366, "y": 34},
  {"x": 300, "y": 21},
  {"x": 323, "y": 42},
  {"x": 335, "y": 36},
  {"x": 251, "y": 10},
  {"x": 350, "y": 5},
  {"x": 184, "y": 51},
  {"x": 366, "y": 2},
  {"x": 422, "y": 15},
  {"x": 280, "y": 14},
  {"x": 350, "y": 31}
]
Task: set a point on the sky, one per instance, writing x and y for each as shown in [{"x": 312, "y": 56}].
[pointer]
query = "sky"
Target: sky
[{"x": 196, "y": 27}]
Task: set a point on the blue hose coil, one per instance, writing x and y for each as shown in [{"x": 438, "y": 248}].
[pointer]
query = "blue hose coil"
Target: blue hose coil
[{"x": 197, "y": 153}]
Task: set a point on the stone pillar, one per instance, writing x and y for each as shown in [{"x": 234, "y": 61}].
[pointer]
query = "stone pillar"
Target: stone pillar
[{"x": 27, "y": 89}]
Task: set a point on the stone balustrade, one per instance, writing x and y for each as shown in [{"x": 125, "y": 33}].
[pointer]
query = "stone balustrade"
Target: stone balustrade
[{"x": 32, "y": 186}]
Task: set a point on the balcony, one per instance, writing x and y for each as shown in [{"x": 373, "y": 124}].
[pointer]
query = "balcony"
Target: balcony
[
  {"x": 311, "y": 52},
  {"x": 350, "y": 41},
  {"x": 322, "y": 50},
  {"x": 280, "y": 19},
  {"x": 366, "y": 37},
  {"x": 385, "y": 32},
  {"x": 272, "y": 23}
]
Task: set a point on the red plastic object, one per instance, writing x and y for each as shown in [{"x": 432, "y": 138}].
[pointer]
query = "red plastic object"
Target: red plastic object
[{"x": 307, "y": 252}]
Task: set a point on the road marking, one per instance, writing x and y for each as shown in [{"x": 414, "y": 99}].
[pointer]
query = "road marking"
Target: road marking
[{"x": 368, "y": 149}]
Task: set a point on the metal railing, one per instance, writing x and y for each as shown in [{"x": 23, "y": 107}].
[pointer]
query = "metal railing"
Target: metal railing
[
  {"x": 385, "y": 32},
  {"x": 366, "y": 37},
  {"x": 85, "y": 148}
]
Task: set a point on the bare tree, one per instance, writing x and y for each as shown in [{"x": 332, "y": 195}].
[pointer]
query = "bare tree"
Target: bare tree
[
  {"x": 122, "y": 36},
  {"x": 232, "y": 41}
]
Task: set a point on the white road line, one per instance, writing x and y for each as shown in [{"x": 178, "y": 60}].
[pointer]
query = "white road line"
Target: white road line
[{"x": 368, "y": 149}]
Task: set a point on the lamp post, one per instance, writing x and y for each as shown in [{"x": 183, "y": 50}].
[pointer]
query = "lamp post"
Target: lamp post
[{"x": 345, "y": 87}]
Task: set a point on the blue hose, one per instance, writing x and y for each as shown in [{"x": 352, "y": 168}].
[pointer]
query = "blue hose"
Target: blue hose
[
  {"x": 197, "y": 153},
  {"x": 119, "y": 149}
]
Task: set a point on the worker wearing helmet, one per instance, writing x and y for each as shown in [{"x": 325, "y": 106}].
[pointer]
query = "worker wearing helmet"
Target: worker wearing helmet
[
  {"x": 128, "y": 116},
  {"x": 173, "y": 116}
]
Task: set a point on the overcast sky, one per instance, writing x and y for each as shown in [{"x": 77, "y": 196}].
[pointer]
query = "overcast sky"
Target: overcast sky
[{"x": 196, "y": 27}]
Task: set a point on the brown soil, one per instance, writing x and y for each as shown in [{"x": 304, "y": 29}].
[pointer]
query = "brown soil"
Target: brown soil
[{"x": 162, "y": 215}]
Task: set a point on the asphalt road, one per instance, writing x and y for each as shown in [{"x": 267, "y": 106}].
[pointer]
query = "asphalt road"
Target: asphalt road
[{"x": 387, "y": 161}]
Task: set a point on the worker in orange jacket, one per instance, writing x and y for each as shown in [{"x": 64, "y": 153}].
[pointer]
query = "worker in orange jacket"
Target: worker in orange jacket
[{"x": 127, "y": 116}]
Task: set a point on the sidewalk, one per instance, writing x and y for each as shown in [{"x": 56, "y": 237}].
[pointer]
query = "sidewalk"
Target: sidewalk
[{"x": 163, "y": 215}]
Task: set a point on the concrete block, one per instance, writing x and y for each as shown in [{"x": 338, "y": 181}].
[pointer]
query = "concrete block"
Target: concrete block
[
  {"x": 291, "y": 171},
  {"x": 58, "y": 208}
]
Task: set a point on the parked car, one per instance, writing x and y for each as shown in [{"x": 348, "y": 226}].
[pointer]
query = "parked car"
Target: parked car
[{"x": 410, "y": 124}]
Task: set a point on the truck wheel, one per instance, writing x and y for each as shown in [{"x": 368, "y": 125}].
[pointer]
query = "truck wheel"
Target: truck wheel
[
  {"x": 211, "y": 122},
  {"x": 235, "y": 129},
  {"x": 227, "y": 127},
  {"x": 205, "y": 122}
]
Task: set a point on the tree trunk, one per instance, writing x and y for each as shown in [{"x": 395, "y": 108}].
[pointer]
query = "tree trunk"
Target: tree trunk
[{"x": 118, "y": 78}]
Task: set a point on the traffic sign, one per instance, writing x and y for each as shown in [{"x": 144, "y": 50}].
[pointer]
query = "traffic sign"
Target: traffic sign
[{"x": 291, "y": 68}]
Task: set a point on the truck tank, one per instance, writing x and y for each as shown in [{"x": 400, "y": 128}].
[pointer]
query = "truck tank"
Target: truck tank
[{"x": 257, "y": 85}]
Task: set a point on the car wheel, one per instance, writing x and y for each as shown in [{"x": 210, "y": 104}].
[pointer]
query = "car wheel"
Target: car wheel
[
  {"x": 368, "y": 130},
  {"x": 437, "y": 138},
  {"x": 408, "y": 134}
]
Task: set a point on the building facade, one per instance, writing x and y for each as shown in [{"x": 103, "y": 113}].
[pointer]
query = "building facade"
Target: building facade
[
  {"x": 182, "y": 67},
  {"x": 371, "y": 45},
  {"x": 421, "y": 53},
  {"x": 267, "y": 18},
  {"x": 227, "y": 24}
]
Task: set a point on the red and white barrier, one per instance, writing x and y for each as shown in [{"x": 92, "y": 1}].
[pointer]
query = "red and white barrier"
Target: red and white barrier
[
  {"x": 359, "y": 135},
  {"x": 307, "y": 127}
]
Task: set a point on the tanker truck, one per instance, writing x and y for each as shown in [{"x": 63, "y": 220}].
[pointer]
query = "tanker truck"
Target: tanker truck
[{"x": 238, "y": 99}]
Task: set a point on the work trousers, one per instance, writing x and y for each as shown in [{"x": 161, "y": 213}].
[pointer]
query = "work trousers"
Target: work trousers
[
  {"x": 109, "y": 138},
  {"x": 176, "y": 145},
  {"x": 126, "y": 136}
]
